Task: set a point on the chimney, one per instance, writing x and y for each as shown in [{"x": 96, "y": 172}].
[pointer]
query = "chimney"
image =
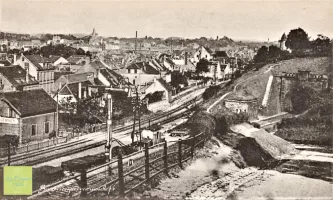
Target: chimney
[
  {"x": 79, "y": 94},
  {"x": 27, "y": 75},
  {"x": 14, "y": 61},
  {"x": 185, "y": 57},
  {"x": 136, "y": 36}
]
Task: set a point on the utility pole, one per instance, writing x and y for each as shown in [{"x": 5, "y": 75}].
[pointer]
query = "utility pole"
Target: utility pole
[{"x": 137, "y": 103}]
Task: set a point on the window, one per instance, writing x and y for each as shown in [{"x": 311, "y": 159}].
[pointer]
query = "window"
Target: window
[
  {"x": 26, "y": 65},
  {"x": 129, "y": 71},
  {"x": 33, "y": 129},
  {"x": 135, "y": 71},
  {"x": 12, "y": 114},
  {"x": 47, "y": 127}
]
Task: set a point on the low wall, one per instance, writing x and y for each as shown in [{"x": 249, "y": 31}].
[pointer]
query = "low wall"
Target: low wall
[{"x": 159, "y": 106}]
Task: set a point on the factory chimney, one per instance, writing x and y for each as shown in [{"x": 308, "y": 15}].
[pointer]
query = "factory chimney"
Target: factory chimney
[{"x": 136, "y": 36}]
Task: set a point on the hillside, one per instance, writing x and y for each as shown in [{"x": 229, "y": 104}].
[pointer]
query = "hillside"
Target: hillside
[
  {"x": 315, "y": 65},
  {"x": 255, "y": 81}
]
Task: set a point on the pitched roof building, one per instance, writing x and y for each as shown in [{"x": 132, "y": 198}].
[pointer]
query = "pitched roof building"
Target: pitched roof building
[
  {"x": 29, "y": 114},
  {"x": 15, "y": 78}
]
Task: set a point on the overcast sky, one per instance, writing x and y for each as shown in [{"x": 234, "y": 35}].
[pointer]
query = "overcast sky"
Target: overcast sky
[{"x": 252, "y": 20}]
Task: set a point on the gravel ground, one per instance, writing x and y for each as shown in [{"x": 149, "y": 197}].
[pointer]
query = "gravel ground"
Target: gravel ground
[{"x": 211, "y": 159}]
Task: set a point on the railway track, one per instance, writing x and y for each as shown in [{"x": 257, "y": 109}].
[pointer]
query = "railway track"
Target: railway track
[
  {"x": 71, "y": 188},
  {"x": 28, "y": 159}
]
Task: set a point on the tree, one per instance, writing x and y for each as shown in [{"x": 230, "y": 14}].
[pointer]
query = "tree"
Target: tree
[
  {"x": 9, "y": 141},
  {"x": 202, "y": 66},
  {"x": 321, "y": 44},
  {"x": 274, "y": 52},
  {"x": 80, "y": 52},
  {"x": 178, "y": 79},
  {"x": 261, "y": 55},
  {"x": 297, "y": 39}
]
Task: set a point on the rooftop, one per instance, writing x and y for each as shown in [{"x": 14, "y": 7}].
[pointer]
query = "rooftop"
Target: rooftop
[
  {"x": 16, "y": 75},
  {"x": 31, "y": 102}
]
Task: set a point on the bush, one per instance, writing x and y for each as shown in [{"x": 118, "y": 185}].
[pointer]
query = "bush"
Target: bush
[
  {"x": 52, "y": 135},
  {"x": 200, "y": 122},
  {"x": 311, "y": 127},
  {"x": 155, "y": 97},
  {"x": 302, "y": 97},
  {"x": 210, "y": 92}
]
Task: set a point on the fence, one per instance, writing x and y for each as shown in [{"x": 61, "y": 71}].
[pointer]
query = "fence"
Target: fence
[
  {"x": 131, "y": 171},
  {"x": 31, "y": 147}
]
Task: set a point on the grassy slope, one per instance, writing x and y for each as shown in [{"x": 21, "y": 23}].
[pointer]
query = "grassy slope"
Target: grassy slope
[{"x": 315, "y": 65}]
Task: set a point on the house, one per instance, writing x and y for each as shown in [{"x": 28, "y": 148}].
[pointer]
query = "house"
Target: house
[
  {"x": 4, "y": 42},
  {"x": 104, "y": 74},
  {"x": 15, "y": 78},
  {"x": 227, "y": 70},
  {"x": 221, "y": 56},
  {"x": 78, "y": 60},
  {"x": 76, "y": 86},
  {"x": 202, "y": 53},
  {"x": 160, "y": 85},
  {"x": 140, "y": 73},
  {"x": 214, "y": 71},
  {"x": 31, "y": 115},
  {"x": 242, "y": 102},
  {"x": 41, "y": 68},
  {"x": 57, "y": 60}
]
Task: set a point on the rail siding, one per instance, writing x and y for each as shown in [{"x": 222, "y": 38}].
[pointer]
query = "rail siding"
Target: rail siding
[{"x": 141, "y": 171}]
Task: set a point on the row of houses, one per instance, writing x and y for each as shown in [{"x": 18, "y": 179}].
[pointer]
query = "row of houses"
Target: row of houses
[{"x": 32, "y": 86}]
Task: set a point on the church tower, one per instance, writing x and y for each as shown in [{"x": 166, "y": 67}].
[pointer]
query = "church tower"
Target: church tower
[
  {"x": 283, "y": 42},
  {"x": 93, "y": 39}
]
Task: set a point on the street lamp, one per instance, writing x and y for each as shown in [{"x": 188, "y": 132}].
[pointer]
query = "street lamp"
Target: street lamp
[
  {"x": 108, "y": 153},
  {"x": 108, "y": 147}
]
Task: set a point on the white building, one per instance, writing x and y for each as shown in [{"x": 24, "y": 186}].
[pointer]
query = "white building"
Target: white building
[{"x": 202, "y": 53}]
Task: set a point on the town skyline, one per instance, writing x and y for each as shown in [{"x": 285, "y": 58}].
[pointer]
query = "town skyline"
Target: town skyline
[{"x": 206, "y": 19}]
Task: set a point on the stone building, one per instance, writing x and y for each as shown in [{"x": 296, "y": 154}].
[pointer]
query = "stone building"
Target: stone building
[{"x": 242, "y": 103}]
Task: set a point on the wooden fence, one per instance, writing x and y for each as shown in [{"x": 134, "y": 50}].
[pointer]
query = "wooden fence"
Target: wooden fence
[
  {"x": 157, "y": 159},
  {"x": 131, "y": 171}
]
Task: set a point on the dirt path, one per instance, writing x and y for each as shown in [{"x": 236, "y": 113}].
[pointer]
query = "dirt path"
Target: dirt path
[{"x": 236, "y": 86}]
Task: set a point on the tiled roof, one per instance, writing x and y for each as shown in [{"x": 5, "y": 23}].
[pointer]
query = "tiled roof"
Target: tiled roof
[
  {"x": 221, "y": 54},
  {"x": 208, "y": 50},
  {"x": 165, "y": 84},
  {"x": 59, "y": 74},
  {"x": 16, "y": 75},
  {"x": 36, "y": 59},
  {"x": 113, "y": 77},
  {"x": 31, "y": 102},
  {"x": 79, "y": 77},
  {"x": 75, "y": 58},
  {"x": 74, "y": 87},
  {"x": 5, "y": 63},
  {"x": 97, "y": 65},
  {"x": 145, "y": 67}
]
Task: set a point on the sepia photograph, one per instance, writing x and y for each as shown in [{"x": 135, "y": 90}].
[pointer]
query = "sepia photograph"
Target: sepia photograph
[{"x": 165, "y": 99}]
